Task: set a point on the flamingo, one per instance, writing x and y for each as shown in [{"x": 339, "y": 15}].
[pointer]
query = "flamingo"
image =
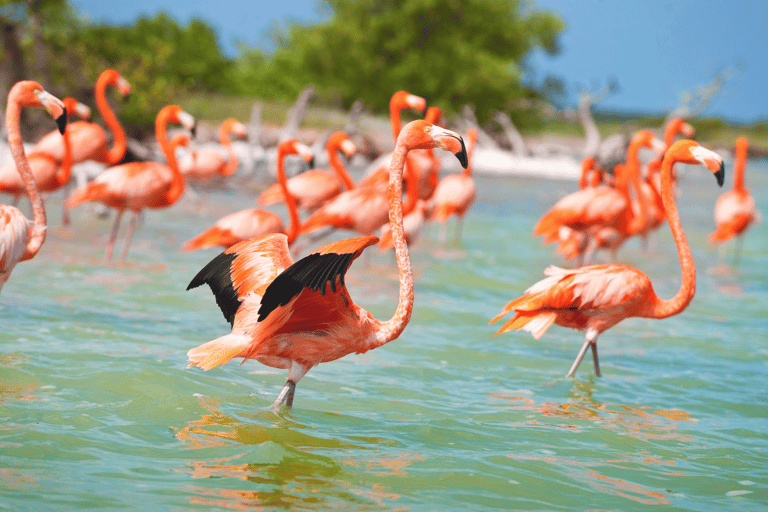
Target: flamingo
[
  {"x": 455, "y": 193},
  {"x": 598, "y": 297},
  {"x": 50, "y": 175},
  {"x": 89, "y": 140},
  {"x": 138, "y": 185},
  {"x": 20, "y": 238},
  {"x": 636, "y": 220},
  {"x": 315, "y": 187},
  {"x": 604, "y": 215},
  {"x": 735, "y": 209},
  {"x": 296, "y": 315},
  {"x": 253, "y": 222},
  {"x": 399, "y": 102},
  {"x": 208, "y": 162},
  {"x": 363, "y": 209}
]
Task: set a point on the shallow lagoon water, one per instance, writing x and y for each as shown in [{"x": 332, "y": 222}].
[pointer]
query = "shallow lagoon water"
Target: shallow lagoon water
[{"x": 98, "y": 410}]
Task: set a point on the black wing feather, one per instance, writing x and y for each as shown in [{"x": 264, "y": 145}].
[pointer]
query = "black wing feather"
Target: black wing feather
[
  {"x": 217, "y": 274},
  {"x": 312, "y": 272}
]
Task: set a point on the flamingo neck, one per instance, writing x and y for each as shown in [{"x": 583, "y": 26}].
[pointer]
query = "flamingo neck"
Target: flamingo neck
[
  {"x": 290, "y": 201},
  {"x": 637, "y": 221},
  {"x": 119, "y": 141},
  {"x": 65, "y": 171},
  {"x": 412, "y": 192},
  {"x": 738, "y": 167},
  {"x": 661, "y": 308},
  {"x": 176, "y": 189},
  {"x": 394, "y": 117},
  {"x": 335, "y": 162},
  {"x": 37, "y": 231},
  {"x": 231, "y": 166},
  {"x": 392, "y": 328}
]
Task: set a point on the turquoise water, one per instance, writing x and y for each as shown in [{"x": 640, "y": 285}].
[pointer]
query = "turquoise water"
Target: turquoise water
[{"x": 98, "y": 410}]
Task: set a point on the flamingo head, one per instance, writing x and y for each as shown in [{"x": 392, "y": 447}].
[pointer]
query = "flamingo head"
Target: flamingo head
[
  {"x": 339, "y": 141},
  {"x": 646, "y": 138},
  {"x": 423, "y": 135},
  {"x": 689, "y": 152},
  {"x": 234, "y": 127},
  {"x": 31, "y": 94},
  {"x": 294, "y": 147},
  {"x": 403, "y": 99},
  {"x": 434, "y": 115},
  {"x": 175, "y": 114},
  {"x": 687, "y": 130},
  {"x": 75, "y": 107}
]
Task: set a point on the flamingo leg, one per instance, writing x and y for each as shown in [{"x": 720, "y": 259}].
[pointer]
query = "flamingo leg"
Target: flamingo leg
[
  {"x": 296, "y": 372},
  {"x": 129, "y": 235},
  {"x": 113, "y": 236},
  {"x": 738, "y": 248},
  {"x": 589, "y": 341},
  {"x": 459, "y": 224}
]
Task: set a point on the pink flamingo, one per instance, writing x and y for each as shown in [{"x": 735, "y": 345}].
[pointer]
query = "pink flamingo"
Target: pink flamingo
[
  {"x": 598, "y": 297},
  {"x": 89, "y": 140},
  {"x": 735, "y": 209},
  {"x": 21, "y": 239},
  {"x": 50, "y": 175},
  {"x": 399, "y": 102},
  {"x": 315, "y": 187},
  {"x": 456, "y": 193},
  {"x": 208, "y": 162},
  {"x": 253, "y": 222},
  {"x": 138, "y": 185},
  {"x": 296, "y": 315}
]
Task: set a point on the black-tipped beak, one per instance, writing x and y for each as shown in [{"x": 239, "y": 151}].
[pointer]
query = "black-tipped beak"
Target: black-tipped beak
[
  {"x": 462, "y": 155},
  {"x": 61, "y": 121},
  {"x": 193, "y": 131},
  {"x": 127, "y": 98},
  {"x": 720, "y": 175},
  {"x": 312, "y": 163}
]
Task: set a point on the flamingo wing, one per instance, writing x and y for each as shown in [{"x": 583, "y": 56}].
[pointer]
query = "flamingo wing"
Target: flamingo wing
[
  {"x": 245, "y": 268},
  {"x": 571, "y": 297},
  {"x": 320, "y": 271}
]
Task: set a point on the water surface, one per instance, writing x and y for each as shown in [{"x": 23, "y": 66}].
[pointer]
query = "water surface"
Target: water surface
[{"x": 98, "y": 410}]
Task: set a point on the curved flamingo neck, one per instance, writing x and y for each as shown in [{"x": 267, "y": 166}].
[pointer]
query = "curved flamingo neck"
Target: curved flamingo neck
[
  {"x": 290, "y": 201},
  {"x": 471, "y": 142},
  {"x": 231, "y": 166},
  {"x": 119, "y": 141},
  {"x": 661, "y": 308},
  {"x": 637, "y": 221},
  {"x": 392, "y": 328},
  {"x": 338, "y": 167},
  {"x": 161, "y": 134},
  {"x": 412, "y": 180},
  {"x": 740, "y": 164},
  {"x": 673, "y": 128},
  {"x": 65, "y": 172},
  {"x": 12, "y": 123}
]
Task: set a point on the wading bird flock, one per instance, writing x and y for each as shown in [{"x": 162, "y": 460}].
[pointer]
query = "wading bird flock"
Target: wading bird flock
[{"x": 295, "y": 315}]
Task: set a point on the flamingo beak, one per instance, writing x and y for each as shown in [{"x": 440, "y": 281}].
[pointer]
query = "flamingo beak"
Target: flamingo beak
[
  {"x": 720, "y": 175},
  {"x": 61, "y": 122},
  {"x": 462, "y": 155}
]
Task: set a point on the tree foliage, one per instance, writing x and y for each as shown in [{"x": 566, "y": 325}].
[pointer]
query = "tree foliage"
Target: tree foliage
[{"x": 450, "y": 51}]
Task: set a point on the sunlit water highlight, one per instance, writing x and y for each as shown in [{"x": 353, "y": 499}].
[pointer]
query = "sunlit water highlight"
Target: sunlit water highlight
[{"x": 97, "y": 409}]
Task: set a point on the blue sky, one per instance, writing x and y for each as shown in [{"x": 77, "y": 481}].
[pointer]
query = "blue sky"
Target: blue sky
[{"x": 657, "y": 50}]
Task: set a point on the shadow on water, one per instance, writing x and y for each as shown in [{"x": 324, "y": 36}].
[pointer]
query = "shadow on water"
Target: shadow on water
[{"x": 268, "y": 459}]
